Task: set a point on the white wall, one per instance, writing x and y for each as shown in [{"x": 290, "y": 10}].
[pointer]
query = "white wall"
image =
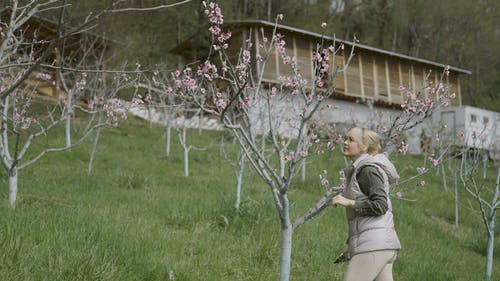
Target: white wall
[
  {"x": 346, "y": 114},
  {"x": 480, "y": 126}
]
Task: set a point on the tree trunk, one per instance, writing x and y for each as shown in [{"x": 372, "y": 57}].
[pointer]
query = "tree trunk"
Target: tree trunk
[
  {"x": 168, "y": 137},
  {"x": 186, "y": 161},
  {"x": 239, "y": 179},
  {"x": 286, "y": 240},
  {"x": 186, "y": 152},
  {"x": 485, "y": 165},
  {"x": 455, "y": 182},
  {"x": 490, "y": 248},
  {"x": 94, "y": 149},
  {"x": 12, "y": 187},
  {"x": 303, "y": 169},
  {"x": 445, "y": 182},
  {"x": 68, "y": 119}
]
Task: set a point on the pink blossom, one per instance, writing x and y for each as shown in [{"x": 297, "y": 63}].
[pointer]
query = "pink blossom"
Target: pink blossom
[
  {"x": 43, "y": 76},
  {"x": 324, "y": 182},
  {"x": 434, "y": 162},
  {"x": 26, "y": 123},
  {"x": 224, "y": 36},
  {"x": 330, "y": 146},
  {"x": 319, "y": 150},
  {"x": 286, "y": 59},
  {"x": 411, "y": 95},
  {"x": 423, "y": 183},
  {"x": 280, "y": 46},
  {"x": 273, "y": 92},
  {"x": 421, "y": 170},
  {"x": 339, "y": 138},
  {"x": 177, "y": 84},
  {"x": 319, "y": 82},
  {"x": 403, "y": 149},
  {"x": 399, "y": 194},
  {"x": 342, "y": 179},
  {"x": 246, "y": 57},
  {"x": 137, "y": 100},
  {"x": 286, "y": 158},
  {"x": 220, "y": 103}
]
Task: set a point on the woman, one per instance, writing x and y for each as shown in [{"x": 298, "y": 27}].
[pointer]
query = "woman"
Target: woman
[{"x": 373, "y": 243}]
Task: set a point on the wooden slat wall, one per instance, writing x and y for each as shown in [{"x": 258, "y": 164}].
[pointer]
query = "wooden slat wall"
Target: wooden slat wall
[
  {"x": 353, "y": 77},
  {"x": 394, "y": 82},
  {"x": 453, "y": 84},
  {"x": 381, "y": 79},
  {"x": 369, "y": 83},
  {"x": 369, "y": 76},
  {"x": 233, "y": 50},
  {"x": 304, "y": 57},
  {"x": 271, "y": 67},
  {"x": 405, "y": 75},
  {"x": 338, "y": 60}
]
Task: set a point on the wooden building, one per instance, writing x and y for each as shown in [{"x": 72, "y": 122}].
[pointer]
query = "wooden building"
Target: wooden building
[
  {"x": 57, "y": 45},
  {"x": 373, "y": 75},
  {"x": 370, "y": 84}
]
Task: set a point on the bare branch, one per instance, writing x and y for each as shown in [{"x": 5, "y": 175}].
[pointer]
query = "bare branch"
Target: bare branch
[{"x": 149, "y": 8}]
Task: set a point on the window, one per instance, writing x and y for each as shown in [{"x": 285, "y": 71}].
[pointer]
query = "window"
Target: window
[
  {"x": 486, "y": 120},
  {"x": 473, "y": 118}
]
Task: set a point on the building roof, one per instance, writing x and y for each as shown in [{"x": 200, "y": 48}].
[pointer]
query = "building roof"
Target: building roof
[
  {"x": 357, "y": 45},
  {"x": 49, "y": 27}
]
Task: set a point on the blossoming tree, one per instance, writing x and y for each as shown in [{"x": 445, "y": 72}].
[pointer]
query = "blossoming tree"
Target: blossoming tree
[
  {"x": 28, "y": 116},
  {"x": 253, "y": 112}
]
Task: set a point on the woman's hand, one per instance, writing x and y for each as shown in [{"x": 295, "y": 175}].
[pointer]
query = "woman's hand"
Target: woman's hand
[{"x": 341, "y": 200}]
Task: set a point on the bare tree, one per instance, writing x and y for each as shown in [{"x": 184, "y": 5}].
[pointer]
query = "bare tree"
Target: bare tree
[
  {"x": 186, "y": 147},
  {"x": 485, "y": 194},
  {"x": 31, "y": 65}
]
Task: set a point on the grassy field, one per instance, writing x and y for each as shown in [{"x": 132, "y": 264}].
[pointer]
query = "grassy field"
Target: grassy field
[{"x": 138, "y": 218}]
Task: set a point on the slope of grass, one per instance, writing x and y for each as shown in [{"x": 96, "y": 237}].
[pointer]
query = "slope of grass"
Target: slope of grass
[{"x": 136, "y": 217}]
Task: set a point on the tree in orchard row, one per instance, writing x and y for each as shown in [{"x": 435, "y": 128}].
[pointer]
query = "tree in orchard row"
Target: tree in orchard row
[
  {"x": 231, "y": 91},
  {"x": 30, "y": 62}
]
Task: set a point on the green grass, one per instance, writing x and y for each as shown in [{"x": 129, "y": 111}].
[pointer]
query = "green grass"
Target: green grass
[{"x": 138, "y": 218}]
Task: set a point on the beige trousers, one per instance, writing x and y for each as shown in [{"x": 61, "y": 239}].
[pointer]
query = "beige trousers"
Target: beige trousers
[{"x": 371, "y": 266}]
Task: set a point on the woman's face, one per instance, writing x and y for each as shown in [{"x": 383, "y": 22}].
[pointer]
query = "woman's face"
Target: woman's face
[{"x": 352, "y": 148}]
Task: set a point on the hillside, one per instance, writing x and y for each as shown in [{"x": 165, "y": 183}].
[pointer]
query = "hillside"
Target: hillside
[{"x": 138, "y": 218}]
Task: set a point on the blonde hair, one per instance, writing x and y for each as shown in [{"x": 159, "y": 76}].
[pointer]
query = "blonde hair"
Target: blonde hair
[{"x": 368, "y": 138}]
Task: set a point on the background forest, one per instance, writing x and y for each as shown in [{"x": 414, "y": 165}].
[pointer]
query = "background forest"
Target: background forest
[{"x": 460, "y": 33}]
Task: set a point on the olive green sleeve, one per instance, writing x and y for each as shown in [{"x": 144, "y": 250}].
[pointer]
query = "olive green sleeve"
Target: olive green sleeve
[{"x": 371, "y": 183}]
